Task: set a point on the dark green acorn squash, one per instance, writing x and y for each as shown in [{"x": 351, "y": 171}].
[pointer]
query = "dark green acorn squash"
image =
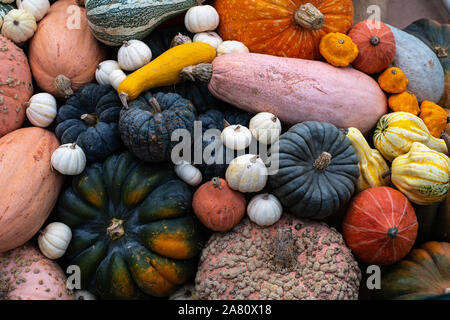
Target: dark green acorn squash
[
  {"x": 146, "y": 126},
  {"x": 133, "y": 230},
  {"x": 4, "y": 9},
  {"x": 318, "y": 169},
  {"x": 90, "y": 119}
]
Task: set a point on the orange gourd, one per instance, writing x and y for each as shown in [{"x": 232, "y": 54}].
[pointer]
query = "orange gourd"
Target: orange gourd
[
  {"x": 284, "y": 27},
  {"x": 405, "y": 101},
  {"x": 393, "y": 80},
  {"x": 435, "y": 118},
  {"x": 338, "y": 49},
  {"x": 63, "y": 61}
]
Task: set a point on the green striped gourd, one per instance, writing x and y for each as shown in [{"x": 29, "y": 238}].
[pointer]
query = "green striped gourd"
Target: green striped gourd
[{"x": 4, "y": 9}]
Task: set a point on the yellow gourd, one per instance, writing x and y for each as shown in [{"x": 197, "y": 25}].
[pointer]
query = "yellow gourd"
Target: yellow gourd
[
  {"x": 338, "y": 49},
  {"x": 393, "y": 80},
  {"x": 371, "y": 164},
  {"x": 404, "y": 101},
  {"x": 422, "y": 175},
  {"x": 165, "y": 69},
  {"x": 434, "y": 117},
  {"x": 396, "y": 132}
]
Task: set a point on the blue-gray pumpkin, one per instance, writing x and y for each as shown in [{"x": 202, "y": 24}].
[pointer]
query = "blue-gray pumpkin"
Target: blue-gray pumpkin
[
  {"x": 90, "y": 119},
  {"x": 317, "y": 169},
  {"x": 146, "y": 126}
]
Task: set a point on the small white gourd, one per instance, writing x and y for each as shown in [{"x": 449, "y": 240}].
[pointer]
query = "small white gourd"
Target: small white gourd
[
  {"x": 265, "y": 127},
  {"x": 209, "y": 37},
  {"x": 42, "y": 109},
  {"x": 19, "y": 25},
  {"x": 104, "y": 69},
  {"x": 116, "y": 77},
  {"x": 236, "y": 137},
  {"x": 69, "y": 159},
  {"x": 84, "y": 295},
  {"x": 201, "y": 18},
  {"x": 231, "y": 46},
  {"x": 54, "y": 240},
  {"x": 264, "y": 209},
  {"x": 133, "y": 54},
  {"x": 188, "y": 173},
  {"x": 247, "y": 173},
  {"x": 38, "y": 8}
]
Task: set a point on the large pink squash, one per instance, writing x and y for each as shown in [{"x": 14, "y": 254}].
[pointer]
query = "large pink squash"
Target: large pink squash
[
  {"x": 298, "y": 90},
  {"x": 28, "y": 185},
  {"x": 15, "y": 86},
  {"x": 293, "y": 259},
  {"x": 25, "y": 274}
]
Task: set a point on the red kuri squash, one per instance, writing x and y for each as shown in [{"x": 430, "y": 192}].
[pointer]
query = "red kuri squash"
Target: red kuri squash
[{"x": 380, "y": 226}]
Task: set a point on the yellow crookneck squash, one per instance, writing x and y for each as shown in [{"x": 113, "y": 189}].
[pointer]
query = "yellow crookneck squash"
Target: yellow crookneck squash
[
  {"x": 422, "y": 175},
  {"x": 397, "y": 131},
  {"x": 165, "y": 69},
  {"x": 372, "y": 165}
]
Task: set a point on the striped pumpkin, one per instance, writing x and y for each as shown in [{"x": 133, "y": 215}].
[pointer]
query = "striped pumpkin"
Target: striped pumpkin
[
  {"x": 396, "y": 132},
  {"x": 372, "y": 165},
  {"x": 380, "y": 226},
  {"x": 114, "y": 21},
  {"x": 422, "y": 175}
]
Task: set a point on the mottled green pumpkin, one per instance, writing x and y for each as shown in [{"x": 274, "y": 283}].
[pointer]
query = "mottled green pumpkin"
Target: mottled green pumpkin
[{"x": 133, "y": 230}]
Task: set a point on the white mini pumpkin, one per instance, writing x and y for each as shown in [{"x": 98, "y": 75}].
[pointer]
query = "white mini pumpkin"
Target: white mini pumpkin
[
  {"x": 201, "y": 18},
  {"x": 69, "y": 159},
  {"x": 42, "y": 109},
  {"x": 186, "y": 292},
  {"x": 188, "y": 173},
  {"x": 19, "y": 25},
  {"x": 133, "y": 54},
  {"x": 38, "y": 8},
  {"x": 265, "y": 127},
  {"x": 231, "y": 46},
  {"x": 236, "y": 137},
  {"x": 247, "y": 173},
  {"x": 104, "y": 69},
  {"x": 116, "y": 77},
  {"x": 264, "y": 209},
  {"x": 84, "y": 295},
  {"x": 54, "y": 240},
  {"x": 209, "y": 37}
]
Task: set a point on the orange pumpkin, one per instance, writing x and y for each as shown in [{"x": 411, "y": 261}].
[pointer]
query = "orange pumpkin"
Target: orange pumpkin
[
  {"x": 15, "y": 86},
  {"x": 435, "y": 117},
  {"x": 32, "y": 187},
  {"x": 217, "y": 206},
  {"x": 63, "y": 61},
  {"x": 289, "y": 28}
]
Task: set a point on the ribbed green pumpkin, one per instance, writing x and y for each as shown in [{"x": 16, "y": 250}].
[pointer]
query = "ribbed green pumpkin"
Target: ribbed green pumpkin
[{"x": 114, "y": 21}]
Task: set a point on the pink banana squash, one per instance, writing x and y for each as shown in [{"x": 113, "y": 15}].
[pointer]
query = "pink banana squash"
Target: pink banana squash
[{"x": 296, "y": 90}]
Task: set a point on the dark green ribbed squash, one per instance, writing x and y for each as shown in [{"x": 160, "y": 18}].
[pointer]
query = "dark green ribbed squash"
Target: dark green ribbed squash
[
  {"x": 133, "y": 230},
  {"x": 4, "y": 9},
  {"x": 317, "y": 171},
  {"x": 90, "y": 118},
  {"x": 146, "y": 126}
]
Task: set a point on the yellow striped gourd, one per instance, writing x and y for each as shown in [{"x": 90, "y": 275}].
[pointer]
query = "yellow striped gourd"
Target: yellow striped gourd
[
  {"x": 422, "y": 175},
  {"x": 371, "y": 163},
  {"x": 396, "y": 132}
]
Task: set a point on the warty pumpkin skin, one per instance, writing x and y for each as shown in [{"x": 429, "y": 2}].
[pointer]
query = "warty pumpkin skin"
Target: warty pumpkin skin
[
  {"x": 393, "y": 80},
  {"x": 16, "y": 86},
  {"x": 405, "y": 101},
  {"x": 434, "y": 117},
  {"x": 63, "y": 61},
  {"x": 29, "y": 187},
  {"x": 283, "y": 28},
  {"x": 338, "y": 49},
  {"x": 133, "y": 230}
]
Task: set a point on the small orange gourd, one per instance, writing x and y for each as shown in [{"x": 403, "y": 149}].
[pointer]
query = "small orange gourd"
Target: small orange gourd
[
  {"x": 435, "y": 118},
  {"x": 405, "y": 101},
  {"x": 338, "y": 49},
  {"x": 393, "y": 80}
]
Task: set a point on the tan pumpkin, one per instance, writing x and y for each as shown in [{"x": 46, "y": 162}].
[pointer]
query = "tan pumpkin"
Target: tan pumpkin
[
  {"x": 65, "y": 60},
  {"x": 32, "y": 187},
  {"x": 15, "y": 86}
]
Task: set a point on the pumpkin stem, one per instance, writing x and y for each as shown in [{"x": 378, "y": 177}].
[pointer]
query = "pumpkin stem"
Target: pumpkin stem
[
  {"x": 266, "y": 196},
  {"x": 386, "y": 174},
  {"x": 180, "y": 39},
  {"x": 274, "y": 118},
  {"x": 126, "y": 43},
  {"x": 225, "y": 123},
  {"x": 441, "y": 52},
  {"x": 254, "y": 158},
  {"x": 155, "y": 105},
  {"x": 124, "y": 99},
  {"x": 216, "y": 182},
  {"x": 392, "y": 233},
  {"x": 80, "y": 2},
  {"x": 322, "y": 162},
  {"x": 308, "y": 16},
  {"x": 73, "y": 145},
  {"x": 89, "y": 118},
  {"x": 238, "y": 127},
  {"x": 63, "y": 85},
  {"x": 115, "y": 229},
  {"x": 374, "y": 41},
  {"x": 446, "y": 138},
  {"x": 201, "y": 72}
]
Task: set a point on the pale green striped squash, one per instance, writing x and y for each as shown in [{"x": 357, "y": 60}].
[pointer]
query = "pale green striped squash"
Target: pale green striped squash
[
  {"x": 114, "y": 21},
  {"x": 4, "y": 9}
]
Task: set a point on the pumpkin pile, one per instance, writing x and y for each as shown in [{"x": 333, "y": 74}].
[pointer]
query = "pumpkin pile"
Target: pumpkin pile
[{"x": 224, "y": 149}]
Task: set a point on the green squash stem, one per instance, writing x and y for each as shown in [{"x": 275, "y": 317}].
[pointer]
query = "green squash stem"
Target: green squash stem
[
  {"x": 308, "y": 16},
  {"x": 322, "y": 162},
  {"x": 115, "y": 229}
]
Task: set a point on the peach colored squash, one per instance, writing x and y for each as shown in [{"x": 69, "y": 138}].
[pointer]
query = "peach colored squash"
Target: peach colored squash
[{"x": 29, "y": 187}]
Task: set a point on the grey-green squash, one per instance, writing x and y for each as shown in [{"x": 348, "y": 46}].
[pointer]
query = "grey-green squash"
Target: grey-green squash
[
  {"x": 4, "y": 9},
  {"x": 421, "y": 66},
  {"x": 115, "y": 21}
]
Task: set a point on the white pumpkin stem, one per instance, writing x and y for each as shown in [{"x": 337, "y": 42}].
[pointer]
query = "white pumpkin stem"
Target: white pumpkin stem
[
  {"x": 238, "y": 128},
  {"x": 126, "y": 43},
  {"x": 124, "y": 99},
  {"x": 63, "y": 85},
  {"x": 308, "y": 16},
  {"x": 322, "y": 162},
  {"x": 274, "y": 118},
  {"x": 180, "y": 39},
  {"x": 73, "y": 145},
  {"x": 155, "y": 105},
  {"x": 266, "y": 196}
]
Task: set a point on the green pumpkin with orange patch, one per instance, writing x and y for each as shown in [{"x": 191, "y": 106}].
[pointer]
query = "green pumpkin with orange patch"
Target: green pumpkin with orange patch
[{"x": 133, "y": 230}]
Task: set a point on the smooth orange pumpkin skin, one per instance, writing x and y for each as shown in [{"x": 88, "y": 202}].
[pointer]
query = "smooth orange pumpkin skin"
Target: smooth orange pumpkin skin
[
  {"x": 73, "y": 52},
  {"x": 16, "y": 86},
  {"x": 268, "y": 26},
  {"x": 31, "y": 188}
]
